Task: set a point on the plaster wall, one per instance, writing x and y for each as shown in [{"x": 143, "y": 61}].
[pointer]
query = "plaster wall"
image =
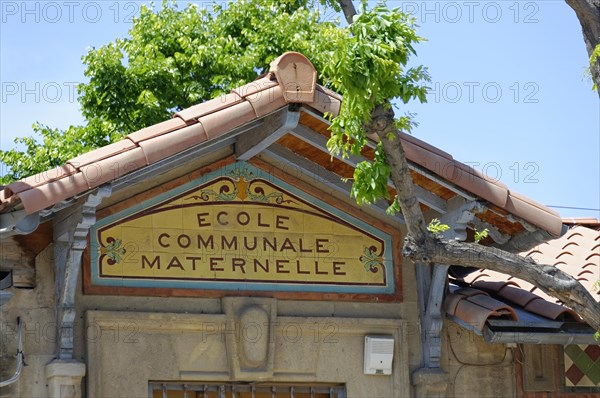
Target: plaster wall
[
  {"x": 36, "y": 308},
  {"x": 193, "y": 347},
  {"x": 476, "y": 368}
]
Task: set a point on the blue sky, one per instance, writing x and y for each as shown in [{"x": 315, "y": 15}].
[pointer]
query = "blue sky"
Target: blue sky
[{"x": 509, "y": 96}]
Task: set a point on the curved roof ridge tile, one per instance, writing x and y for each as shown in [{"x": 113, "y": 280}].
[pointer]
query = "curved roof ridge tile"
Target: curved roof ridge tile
[
  {"x": 551, "y": 310},
  {"x": 476, "y": 310},
  {"x": 517, "y": 295}
]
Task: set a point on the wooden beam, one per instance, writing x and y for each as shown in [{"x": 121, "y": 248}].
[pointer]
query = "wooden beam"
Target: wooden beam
[
  {"x": 320, "y": 174},
  {"x": 258, "y": 139},
  {"x": 416, "y": 168},
  {"x": 319, "y": 141}
]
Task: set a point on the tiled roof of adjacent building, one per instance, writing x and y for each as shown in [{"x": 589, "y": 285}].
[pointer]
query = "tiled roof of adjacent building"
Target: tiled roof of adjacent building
[{"x": 492, "y": 295}]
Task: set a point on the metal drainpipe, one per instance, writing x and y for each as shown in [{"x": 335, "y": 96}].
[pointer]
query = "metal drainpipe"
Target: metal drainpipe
[{"x": 20, "y": 357}]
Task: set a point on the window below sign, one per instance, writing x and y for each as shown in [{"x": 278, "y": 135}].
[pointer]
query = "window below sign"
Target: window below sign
[{"x": 243, "y": 390}]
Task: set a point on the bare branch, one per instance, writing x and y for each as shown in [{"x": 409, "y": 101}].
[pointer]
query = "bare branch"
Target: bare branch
[
  {"x": 382, "y": 124},
  {"x": 548, "y": 278},
  {"x": 348, "y": 9}
]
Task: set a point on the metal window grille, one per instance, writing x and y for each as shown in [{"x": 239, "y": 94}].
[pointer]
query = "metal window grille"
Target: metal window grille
[{"x": 243, "y": 390}]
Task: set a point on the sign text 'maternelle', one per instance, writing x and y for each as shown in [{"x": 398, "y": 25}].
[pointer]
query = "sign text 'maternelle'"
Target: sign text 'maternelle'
[{"x": 240, "y": 229}]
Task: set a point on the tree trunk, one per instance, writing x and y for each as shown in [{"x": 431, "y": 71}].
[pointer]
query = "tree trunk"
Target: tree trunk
[
  {"x": 588, "y": 13},
  {"x": 421, "y": 247},
  {"x": 348, "y": 10}
]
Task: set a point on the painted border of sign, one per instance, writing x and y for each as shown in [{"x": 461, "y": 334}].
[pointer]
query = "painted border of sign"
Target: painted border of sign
[{"x": 95, "y": 280}]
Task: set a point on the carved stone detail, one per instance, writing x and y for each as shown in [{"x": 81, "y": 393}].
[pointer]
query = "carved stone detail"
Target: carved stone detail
[{"x": 250, "y": 343}]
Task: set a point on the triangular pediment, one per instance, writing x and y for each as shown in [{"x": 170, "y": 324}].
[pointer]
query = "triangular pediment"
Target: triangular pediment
[{"x": 240, "y": 228}]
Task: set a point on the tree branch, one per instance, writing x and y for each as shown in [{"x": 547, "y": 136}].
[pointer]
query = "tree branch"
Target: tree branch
[
  {"x": 548, "y": 278},
  {"x": 382, "y": 124},
  {"x": 348, "y": 10},
  {"x": 421, "y": 247},
  {"x": 588, "y": 13}
]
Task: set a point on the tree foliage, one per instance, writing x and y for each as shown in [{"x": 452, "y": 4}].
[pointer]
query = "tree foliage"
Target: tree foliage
[
  {"x": 173, "y": 58},
  {"x": 176, "y": 57}
]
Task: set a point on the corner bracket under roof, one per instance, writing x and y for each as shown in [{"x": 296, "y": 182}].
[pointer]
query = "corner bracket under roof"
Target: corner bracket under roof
[{"x": 71, "y": 227}]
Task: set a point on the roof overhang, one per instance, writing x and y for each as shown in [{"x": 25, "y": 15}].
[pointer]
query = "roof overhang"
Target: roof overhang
[{"x": 264, "y": 118}]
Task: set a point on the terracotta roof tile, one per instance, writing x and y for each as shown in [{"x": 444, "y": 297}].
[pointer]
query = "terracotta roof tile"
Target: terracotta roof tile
[
  {"x": 535, "y": 213},
  {"x": 163, "y": 146},
  {"x": 434, "y": 161},
  {"x": 251, "y": 91},
  {"x": 157, "y": 129},
  {"x": 474, "y": 181},
  {"x": 493, "y": 287},
  {"x": 552, "y": 311},
  {"x": 475, "y": 307},
  {"x": 428, "y": 147},
  {"x": 216, "y": 124},
  {"x": 188, "y": 127},
  {"x": 451, "y": 302},
  {"x": 469, "y": 292},
  {"x": 577, "y": 252},
  {"x": 53, "y": 192},
  {"x": 39, "y": 179},
  {"x": 517, "y": 296},
  {"x": 108, "y": 169},
  {"x": 266, "y": 101},
  {"x": 208, "y": 107},
  {"x": 102, "y": 153}
]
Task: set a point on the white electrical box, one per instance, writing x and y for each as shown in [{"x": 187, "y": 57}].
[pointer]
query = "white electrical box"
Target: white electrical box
[{"x": 379, "y": 353}]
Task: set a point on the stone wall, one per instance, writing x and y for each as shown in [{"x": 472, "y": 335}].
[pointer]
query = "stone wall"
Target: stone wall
[
  {"x": 36, "y": 307},
  {"x": 475, "y": 368}
]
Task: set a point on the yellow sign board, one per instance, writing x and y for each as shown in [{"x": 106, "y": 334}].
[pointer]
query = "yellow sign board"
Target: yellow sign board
[{"x": 240, "y": 229}]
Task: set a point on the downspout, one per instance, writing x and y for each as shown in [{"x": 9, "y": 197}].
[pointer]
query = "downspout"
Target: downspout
[{"x": 20, "y": 357}]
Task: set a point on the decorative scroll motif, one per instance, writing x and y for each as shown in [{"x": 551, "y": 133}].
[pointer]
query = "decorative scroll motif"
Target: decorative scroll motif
[
  {"x": 114, "y": 250},
  {"x": 240, "y": 183},
  {"x": 370, "y": 260}
]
